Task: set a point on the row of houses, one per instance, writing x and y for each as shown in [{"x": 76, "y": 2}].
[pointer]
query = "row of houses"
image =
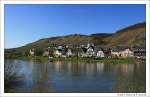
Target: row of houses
[{"x": 90, "y": 50}]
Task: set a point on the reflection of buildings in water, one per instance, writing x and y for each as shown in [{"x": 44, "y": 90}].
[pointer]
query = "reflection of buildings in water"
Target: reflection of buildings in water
[
  {"x": 69, "y": 66},
  {"x": 90, "y": 68},
  {"x": 83, "y": 66},
  {"x": 75, "y": 67},
  {"x": 41, "y": 73},
  {"x": 100, "y": 67},
  {"x": 57, "y": 66},
  {"x": 40, "y": 78},
  {"x": 127, "y": 69}
]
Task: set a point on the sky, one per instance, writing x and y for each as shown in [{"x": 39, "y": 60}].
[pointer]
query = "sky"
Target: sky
[{"x": 27, "y": 23}]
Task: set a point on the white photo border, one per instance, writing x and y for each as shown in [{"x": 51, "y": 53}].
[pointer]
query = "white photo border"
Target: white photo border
[{"x": 76, "y": 94}]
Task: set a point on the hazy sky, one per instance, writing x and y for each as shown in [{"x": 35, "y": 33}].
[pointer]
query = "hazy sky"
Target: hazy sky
[{"x": 27, "y": 23}]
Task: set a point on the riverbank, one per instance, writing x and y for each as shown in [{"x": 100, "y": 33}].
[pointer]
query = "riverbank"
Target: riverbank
[{"x": 91, "y": 59}]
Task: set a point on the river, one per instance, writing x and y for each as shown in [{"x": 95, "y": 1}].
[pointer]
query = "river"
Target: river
[{"x": 80, "y": 77}]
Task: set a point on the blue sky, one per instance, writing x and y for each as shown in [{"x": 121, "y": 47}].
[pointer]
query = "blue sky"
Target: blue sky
[{"x": 27, "y": 23}]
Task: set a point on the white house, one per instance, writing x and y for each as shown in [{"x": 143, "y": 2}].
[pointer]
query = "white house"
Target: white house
[
  {"x": 115, "y": 53},
  {"x": 100, "y": 53},
  {"x": 69, "y": 53},
  {"x": 127, "y": 53},
  {"x": 57, "y": 53},
  {"x": 90, "y": 52},
  {"x": 31, "y": 52},
  {"x": 46, "y": 53},
  {"x": 122, "y": 52}
]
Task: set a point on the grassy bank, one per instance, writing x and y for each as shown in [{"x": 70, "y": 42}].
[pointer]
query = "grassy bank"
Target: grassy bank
[{"x": 91, "y": 59}]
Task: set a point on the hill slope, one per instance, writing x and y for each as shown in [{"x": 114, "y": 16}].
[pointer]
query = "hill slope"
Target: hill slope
[
  {"x": 129, "y": 36},
  {"x": 132, "y": 35}
]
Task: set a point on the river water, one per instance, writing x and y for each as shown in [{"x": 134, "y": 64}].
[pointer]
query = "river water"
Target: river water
[{"x": 80, "y": 77}]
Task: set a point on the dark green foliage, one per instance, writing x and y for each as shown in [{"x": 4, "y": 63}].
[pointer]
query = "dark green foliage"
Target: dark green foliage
[
  {"x": 39, "y": 52},
  {"x": 11, "y": 77}
]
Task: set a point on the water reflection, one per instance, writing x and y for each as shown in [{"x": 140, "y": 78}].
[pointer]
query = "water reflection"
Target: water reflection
[
  {"x": 131, "y": 79},
  {"x": 77, "y": 67},
  {"x": 68, "y": 76},
  {"x": 40, "y": 78},
  {"x": 57, "y": 66},
  {"x": 100, "y": 67},
  {"x": 126, "y": 69}
]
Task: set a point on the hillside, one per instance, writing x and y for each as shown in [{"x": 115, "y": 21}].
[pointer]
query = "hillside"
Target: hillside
[
  {"x": 132, "y": 35},
  {"x": 129, "y": 36}
]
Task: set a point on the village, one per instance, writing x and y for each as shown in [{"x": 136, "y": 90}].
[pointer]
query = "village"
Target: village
[
  {"x": 91, "y": 50},
  {"x": 74, "y": 48}
]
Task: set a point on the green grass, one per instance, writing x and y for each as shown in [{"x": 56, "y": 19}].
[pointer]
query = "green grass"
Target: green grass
[
  {"x": 117, "y": 60},
  {"x": 92, "y": 59}
]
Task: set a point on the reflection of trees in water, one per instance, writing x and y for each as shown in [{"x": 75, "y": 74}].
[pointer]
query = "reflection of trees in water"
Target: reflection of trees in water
[
  {"x": 41, "y": 78},
  {"x": 131, "y": 78},
  {"x": 12, "y": 78}
]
